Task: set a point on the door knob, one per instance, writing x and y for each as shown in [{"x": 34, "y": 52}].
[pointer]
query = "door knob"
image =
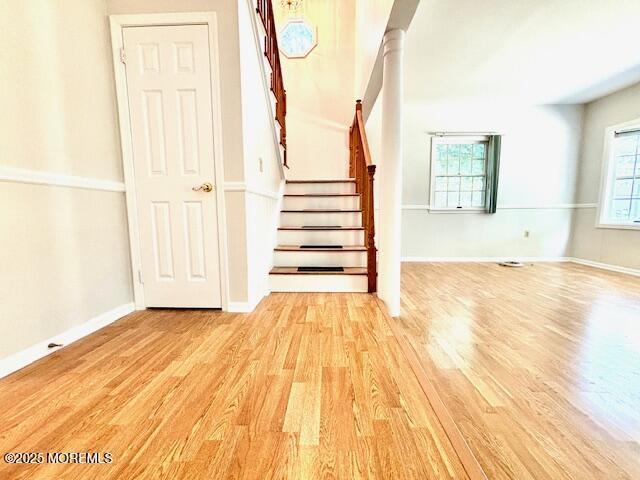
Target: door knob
[{"x": 205, "y": 187}]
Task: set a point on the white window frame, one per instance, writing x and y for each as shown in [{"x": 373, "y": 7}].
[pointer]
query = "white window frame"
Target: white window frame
[
  {"x": 606, "y": 181},
  {"x": 314, "y": 34},
  {"x": 453, "y": 139}
]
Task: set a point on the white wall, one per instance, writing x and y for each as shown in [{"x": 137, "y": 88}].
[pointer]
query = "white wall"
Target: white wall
[
  {"x": 610, "y": 246},
  {"x": 538, "y": 173},
  {"x": 264, "y": 177},
  {"x": 371, "y": 21},
  {"x": 320, "y": 102},
  {"x": 64, "y": 250}
]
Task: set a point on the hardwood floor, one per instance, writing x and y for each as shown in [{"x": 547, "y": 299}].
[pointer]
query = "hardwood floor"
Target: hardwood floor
[
  {"x": 308, "y": 386},
  {"x": 539, "y": 366}
]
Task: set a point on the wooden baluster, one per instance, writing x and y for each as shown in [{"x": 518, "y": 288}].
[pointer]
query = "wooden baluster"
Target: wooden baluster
[
  {"x": 372, "y": 268},
  {"x": 351, "y": 159},
  {"x": 271, "y": 52},
  {"x": 356, "y": 154}
]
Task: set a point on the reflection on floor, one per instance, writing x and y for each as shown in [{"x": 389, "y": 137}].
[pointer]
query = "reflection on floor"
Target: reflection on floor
[
  {"x": 539, "y": 366},
  {"x": 308, "y": 386}
]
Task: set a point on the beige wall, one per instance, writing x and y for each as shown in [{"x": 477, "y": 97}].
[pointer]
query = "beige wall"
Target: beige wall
[
  {"x": 57, "y": 88},
  {"x": 64, "y": 251},
  {"x": 320, "y": 101},
  {"x": 571, "y": 150},
  {"x": 526, "y": 191},
  {"x": 610, "y": 246},
  {"x": 65, "y": 260}
]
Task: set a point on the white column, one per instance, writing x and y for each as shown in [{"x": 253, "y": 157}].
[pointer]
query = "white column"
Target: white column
[{"x": 390, "y": 172}]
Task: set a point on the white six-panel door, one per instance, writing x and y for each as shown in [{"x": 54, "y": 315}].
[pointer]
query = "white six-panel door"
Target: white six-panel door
[{"x": 169, "y": 94}]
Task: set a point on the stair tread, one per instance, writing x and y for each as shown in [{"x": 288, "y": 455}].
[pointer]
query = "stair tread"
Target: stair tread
[
  {"x": 341, "y": 180},
  {"x": 321, "y": 210},
  {"x": 321, "y": 194},
  {"x": 319, "y": 228},
  {"x": 298, "y": 248},
  {"x": 294, "y": 271}
]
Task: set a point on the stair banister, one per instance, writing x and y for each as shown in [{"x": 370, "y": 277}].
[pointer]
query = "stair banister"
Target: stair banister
[
  {"x": 264, "y": 8},
  {"x": 363, "y": 170}
]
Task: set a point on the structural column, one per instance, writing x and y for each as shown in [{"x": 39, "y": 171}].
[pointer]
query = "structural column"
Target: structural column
[{"x": 390, "y": 176}]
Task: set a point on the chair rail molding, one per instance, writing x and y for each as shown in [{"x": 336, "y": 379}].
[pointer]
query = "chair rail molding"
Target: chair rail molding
[
  {"x": 254, "y": 189},
  {"x": 43, "y": 177},
  {"x": 558, "y": 206}
]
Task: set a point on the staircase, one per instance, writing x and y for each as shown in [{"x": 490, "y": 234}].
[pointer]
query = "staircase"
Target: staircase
[
  {"x": 326, "y": 232},
  {"x": 321, "y": 239}
]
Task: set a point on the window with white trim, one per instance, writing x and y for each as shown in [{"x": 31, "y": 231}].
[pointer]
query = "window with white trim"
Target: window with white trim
[
  {"x": 459, "y": 172},
  {"x": 621, "y": 195}
]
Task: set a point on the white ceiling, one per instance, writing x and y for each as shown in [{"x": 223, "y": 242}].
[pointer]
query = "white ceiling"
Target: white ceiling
[{"x": 534, "y": 51}]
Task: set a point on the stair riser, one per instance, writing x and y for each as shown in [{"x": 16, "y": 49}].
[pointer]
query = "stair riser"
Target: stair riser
[
  {"x": 320, "y": 259},
  {"x": 327, "y": 203},
  {"x": 320, "y": 237},
  {"x": 318, "y": 283},
  {"x": 327, "y": 219},
  {"x": 338, "y": 187}
]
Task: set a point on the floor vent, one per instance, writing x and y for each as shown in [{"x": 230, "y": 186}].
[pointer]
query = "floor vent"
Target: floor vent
[
  {"x": 511, "y": 264},
  {"x": 320, "y": 269}
]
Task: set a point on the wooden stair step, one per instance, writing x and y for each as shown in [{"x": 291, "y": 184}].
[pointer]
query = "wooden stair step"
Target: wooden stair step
[
  {"x": 298, "y": 248},
  {"x": 294, "y": 271},
  {"x": 344, "y": 180},
  {"x": 320, "y": 228},
  {"x": 321, "y": 210},
  {"x": 321, "y": 194}
]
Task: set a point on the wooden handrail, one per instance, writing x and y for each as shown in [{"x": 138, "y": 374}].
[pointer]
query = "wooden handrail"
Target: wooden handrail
[
  {"x": 272, "y": 52},
  {"x": 363, "y": 170}
]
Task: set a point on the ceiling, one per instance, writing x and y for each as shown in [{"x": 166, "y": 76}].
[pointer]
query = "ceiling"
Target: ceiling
[{"x": 533, "y": 51}]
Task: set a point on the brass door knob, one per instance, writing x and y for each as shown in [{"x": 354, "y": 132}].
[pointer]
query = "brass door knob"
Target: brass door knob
[{"x": 205, "y": 187}]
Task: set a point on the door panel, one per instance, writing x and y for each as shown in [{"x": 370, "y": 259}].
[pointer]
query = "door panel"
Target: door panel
[
  {"x": 163, "y": 243},
  {"x": 169, "y": 90}
]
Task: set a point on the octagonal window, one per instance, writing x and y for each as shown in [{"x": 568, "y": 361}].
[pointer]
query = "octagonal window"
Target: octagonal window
[{"x": 297, "y": 39}]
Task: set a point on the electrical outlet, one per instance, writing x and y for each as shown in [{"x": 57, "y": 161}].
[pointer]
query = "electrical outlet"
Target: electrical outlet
[
  {"x": 527, "y": 233},
  {"x": 261, "y": 167}
]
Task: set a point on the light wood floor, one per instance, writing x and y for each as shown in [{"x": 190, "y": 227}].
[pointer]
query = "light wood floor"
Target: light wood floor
[
  {"x": 309, "y": 386},
  {"x": 539, "y": 366}
]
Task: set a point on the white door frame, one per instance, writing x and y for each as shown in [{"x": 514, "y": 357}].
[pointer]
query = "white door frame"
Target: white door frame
[{"x": 118, "y": 22}]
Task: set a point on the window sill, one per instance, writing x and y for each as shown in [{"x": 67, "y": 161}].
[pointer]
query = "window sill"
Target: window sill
[
  {"x": 456, "y": 210},
  {"x": 619, "y": 226}
]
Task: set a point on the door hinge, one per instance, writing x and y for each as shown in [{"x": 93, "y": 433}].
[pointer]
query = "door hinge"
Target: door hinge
[
  {"x": 123, "y": 57},
  {"x": 140, "y": 276}
]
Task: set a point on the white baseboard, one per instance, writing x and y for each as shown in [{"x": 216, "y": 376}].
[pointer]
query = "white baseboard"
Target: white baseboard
[
  {"x": 23, "y": 358},
  {"x": 590, "y": 263},
  {"x": 605, "y": 266},
  {"x": 246, "y": 307},
  {"x": 484, "y": 259}
]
